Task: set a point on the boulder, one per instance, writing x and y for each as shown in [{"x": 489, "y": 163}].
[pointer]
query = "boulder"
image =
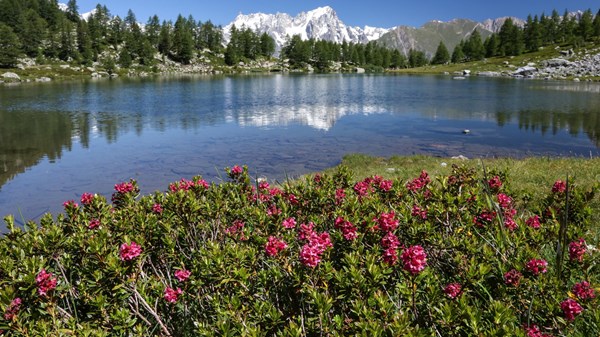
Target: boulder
[
  {"x": 466, "y": 72},
  {"x": 488, "y": 73},
  {"x": 43, "y": 79},
  {"x": 11, "y": 76},
  {"x": 359, "y": 70},
  {"x": 553, "y": 63},
  {"x": 525, "y": 71}
]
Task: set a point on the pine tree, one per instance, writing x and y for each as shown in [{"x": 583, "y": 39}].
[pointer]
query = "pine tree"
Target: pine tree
[
  {"x": 84, "y": 43},
  {"x": 491, "y": 45},
  {"x": 153, "y": 30},
  {"x": 416, "y": 58},
  {"x": 442, "y": 56},
  {"x": 585, "y": 28},
  {"x": 397, "y": 60},
  {"x": 183, "y": 42},
  {"x": 473, "y": 48},
  {"x": 458, "y": 55},
  {"x": 32, "y": 31},
  {"x": 267, "y": 45},
  {"x": 9, "y": 46},
  {"x": 72, "y": 11},
  {"x": 596, "y": 24},
  {"x": 511, "y": 39},
  {"x": 164, "y": 38}
]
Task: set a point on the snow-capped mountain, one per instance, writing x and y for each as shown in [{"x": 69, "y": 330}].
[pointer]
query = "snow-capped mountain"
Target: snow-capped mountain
[
  {"x": 321, "y": 24},
  {"x": 85, "y": 16}
]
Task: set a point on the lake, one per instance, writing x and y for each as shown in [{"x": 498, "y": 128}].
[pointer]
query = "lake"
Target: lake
[{"x": 60, "y": 140}]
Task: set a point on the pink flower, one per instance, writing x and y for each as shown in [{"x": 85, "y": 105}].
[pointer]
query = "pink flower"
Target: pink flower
[
  {"x": 533, "y": 222},
  {"x": 485, "y": 218},
  {"x": 13, "y": 309},
  {"x": 172, "y": 295},
  {"x": 289, "y": 223},
  {"x": 534, "y": 331},
  {"x": 536, "y": 266},
  {"x": 418, "y": 183},
  {"x": 130, "y": 251},
  {"x": 495, "y": 183},
  {"x": 385, "y": 185},
  {"x": 510, "y": 223},
  {"x": 512, "y": 278},
  {"x": 390, "y": 256},
  {"x": 310, "y": 256},
  {"x": 583, "y": 290},
  {"x": 236, "y": 170},
  {"x": 362, "y": 188},
  {"x": 387, "y": 221},
  {"x": 274, "y": 246},
  {"x": 263, "y": 185},
  {"x": 570, "y": 308},
  {"x": 340, "y": 195},
  {"x": 94, "y": 223},
  {"x": 87, "y": 198},
  {"x": 414, "y": 259},
  {"x": 273, "y": 210},
  {"x": 306, "y": 231},
  {"x": 292, "y": 199},
  {"x": 182, "y": 275},
  {"x": 124, "y": 187},
  {"x": 235, "y": 228},
  {"x": 70, "y": 204},
  {"x": 559, "y": 187},
  {"x": 45, "y": 282},
  {"x": 576, "y": 250},
  {"x": 452, "y": 290},
  {"x": 157, "y": 208},
  {"x": 419, "y": 212},
  {"x": 504, "y": 200},
  {"x": 390, "y": 241},
  {"x": 348, "y": 229}
]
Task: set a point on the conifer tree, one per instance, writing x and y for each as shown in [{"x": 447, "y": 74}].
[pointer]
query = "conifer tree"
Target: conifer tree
[
  {"x": 458, "y": 55},
  {"x": 164, "y": 38},
  {"x": 32, "y": 31},
  {"x": 491, "y": 45},
  {"x": 72, "y": 11},
  {"x": 585, "y": 28},
  {"x": 267, "y": 45},
  {"x": 473, "y": 48},
  {"x": 84, "y": 43},
  {"x": 9, "y": 46},
  {"x": 596, "y": 24},
  {"x": 442, "y": 56},
  {"x": 152, "y": 30}
]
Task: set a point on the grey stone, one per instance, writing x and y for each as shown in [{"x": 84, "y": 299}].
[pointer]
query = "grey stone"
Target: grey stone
[{"x": 11, "y": 76}]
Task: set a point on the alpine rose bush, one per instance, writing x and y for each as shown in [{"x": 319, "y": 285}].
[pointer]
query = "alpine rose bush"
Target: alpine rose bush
[{"x": 331, "y": 255}]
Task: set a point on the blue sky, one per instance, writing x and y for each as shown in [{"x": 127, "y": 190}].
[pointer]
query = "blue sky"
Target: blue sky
[{"x": 376, "y": 13}]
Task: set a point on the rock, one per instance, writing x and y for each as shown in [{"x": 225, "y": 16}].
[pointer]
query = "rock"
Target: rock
[
  {"x": 359, "y": 70},
  {"x": 90, "y": 69},
  {"x": 525, "y": 71},
  {"x": 466, "y": 72},
  {"x": 114, "y": 75},
  {"x": 460, "y": 157},
  {"x": 555, "y": 63},
  {"x": 459, "y": 78},
  {"x": 11, "y": 76},
  {"x": 446, "y": 73},
  {"x": 466, "y": 131},
  {"x": 576, "y": 79},
  {"x": 95, "y": 75},
  {"x": 43, "y": 79},
  {"x": 65, "y": 66},
  {"x": 488, "y": 73},
  {"x": 443, "y": 164},
  {"x": 505, "y": 63}
]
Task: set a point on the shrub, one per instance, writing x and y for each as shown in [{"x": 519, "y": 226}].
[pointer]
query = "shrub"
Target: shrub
[{"x": 452, "y": 256}]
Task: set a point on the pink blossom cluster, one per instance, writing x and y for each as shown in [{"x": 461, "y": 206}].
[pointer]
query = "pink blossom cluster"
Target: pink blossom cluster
[
  {"x": 172, "y": 295},
  {"x": 484, "y": 218},
  {"x": 583, "y": 290},
  {"x": 537, "y": 266},
  {"x": 13, "y": 309},
  {"x": 509, "y": 221},
  {"x": 236, "y": 171},
  {"x": 504, "y": 200},
  {"x": 577, "y": 250},
  {"x": 94, "y": 223},
  {"x": 362, "y": 188},
  {"x": 128, "y": 252},
  {"x": 387, "y": 221},
  {"x": 272, "y": 210},
  {"x": 419, "y": 183},
  {"x": 292, "y": 199},
  {"x": 310, "y": 254},
  {"x": 274, "y": 246},
  {"x": 186, "y": 185},
  {"x": 236, "y": 228},
  {"x": 45, "y": 282},
  {"x": 512, "y": 278},
  {"x": 124, "y": 187},
  {"x": 369, "y": 184},
  {"x": 414, "y": 259},
  {"x": 559, "y": 187},
  {"x": 533, "y": 222},
  {"x": 340, "y": 195},
  {"x": 495, "y": 183},
  {"x": 534, "y": 331},
  {"x": 157, "y": 208},
  {"x": 182, "y": 274},
  {"x": 70, "y": 204},
  {"x": 348, "y": 229},
  {"x": 289, "y": 223},
  {"x": 87, "y": 198},
  {"x": 390, "y": 244},
  {"x": 571, "y": 308},
  {"x": 419, "y": 212},
  {"x": 452, "y": 290}
]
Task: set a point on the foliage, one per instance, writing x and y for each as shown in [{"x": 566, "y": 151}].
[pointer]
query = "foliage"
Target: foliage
[{"x": 456, "y": 255}]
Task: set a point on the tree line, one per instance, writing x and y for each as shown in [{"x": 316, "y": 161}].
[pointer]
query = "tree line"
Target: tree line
[
  {"x": 40, "y": 29},
  {"x": 513, "y": 40}
]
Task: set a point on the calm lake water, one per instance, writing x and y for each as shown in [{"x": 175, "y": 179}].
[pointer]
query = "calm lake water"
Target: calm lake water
[{"x": 62, "y": 139}]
